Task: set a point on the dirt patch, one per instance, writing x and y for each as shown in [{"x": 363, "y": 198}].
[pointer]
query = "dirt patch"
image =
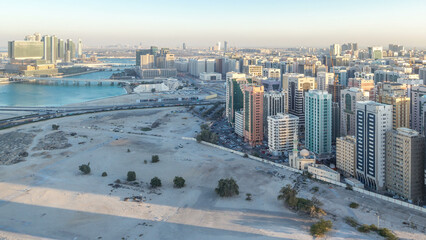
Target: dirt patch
[
  {"x": 52, "y": 141},
  {"x": 13, "y": 147}
]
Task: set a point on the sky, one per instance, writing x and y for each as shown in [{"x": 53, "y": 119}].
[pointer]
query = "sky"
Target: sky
[{"x": 202, "y": 23}]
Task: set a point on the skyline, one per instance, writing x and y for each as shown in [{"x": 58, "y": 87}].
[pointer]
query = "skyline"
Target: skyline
[{"x": 282, "y": 23}]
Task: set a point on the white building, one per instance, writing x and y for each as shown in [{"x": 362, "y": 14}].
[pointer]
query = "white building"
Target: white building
[
  {"x": 273, "y": 73},
  {"x": 321, "y": 171},
  {"x": 373, "y": 121},
  {"x": 274, "y": 102},
  {"x": 345, "y": 155},
  {"x": 239, "y": 123},
  {"x": 235, "y": 75},
  {"x": 282, "y": 133},
  {"x": 210, "y": 76},
  {"x": 324, "y": 79}
]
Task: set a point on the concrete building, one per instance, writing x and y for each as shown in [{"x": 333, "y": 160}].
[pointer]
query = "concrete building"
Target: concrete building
[
  {"x": 146, "y": 61},
  {"x": 298, "y": 85},
  {"x": 373, "y": 121},
  {"x": 301, "y": 160},
  {"x": 274, "y": 102},
  {"x": 318, "y": 122},
  {"x": 210, "y": 76},
  {"x": 416, "y": 109},
  {"x": 322, "y": 171},
  {"x": 273, "y": 73},
  {"x": 400, "y": 110},
  {"x": 345, "y": 155},
  {"x": 348, "y": 100},
  {"x": 253, "y": 70},
  {"x": 20, "y": 50},
  {"x": 282, "y": 133},
  {"x": 405, "y": 157},
  {"x": 239, "y": 123},
  {"x": 253, "y": 114},
  {"x": 324, "y": 79},
  {"x": 335, "y": 50}
]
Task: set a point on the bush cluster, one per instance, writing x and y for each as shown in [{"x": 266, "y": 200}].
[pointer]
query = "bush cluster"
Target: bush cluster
[
  {"x": 320, "y": 228},
  {"x": 311, "y": 207},
  {"x": 85, "y": 168},
  {"x": 227, "y": 187}
]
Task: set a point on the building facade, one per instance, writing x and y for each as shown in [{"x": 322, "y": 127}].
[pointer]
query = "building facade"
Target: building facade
[
  {"x": 282, "y": 133},
  {"x": 348, "y": 100},
  {"x": 253, "y": 114},
  {"x": 318, "y": 122},
  {"x": 373, "y": 121},
  {"x": 345, "y": 155},
  {"x": 405, "y": 157}
]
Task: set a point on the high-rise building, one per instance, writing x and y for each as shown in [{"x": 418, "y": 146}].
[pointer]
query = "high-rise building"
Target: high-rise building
[
  {"x": 20, "y": 50},
  {"x": 335, "y": 50},
  {"x": 184, "y": 46},
  {"x": 400, "y": 109},
  {"x": 234, "y": 97},
  {"x": 318, "y": 122},
  {"x": 282, "y": 133},
  {"x": 298, "y": 85},
  {"x": 141, "y": 52},
  {"x": 70, "y": 46},
  {"x": 61, "y": 49},
  {"x": 272, "y": 73},
  {"x": 50, "y": 49},
  {"x": 375, "y": 52},
  {"x": 324, "y": 79},
  {"x": 239, "y": 123},
  {"x": 345, "y": 155},
  {"x": 348, "y": 100},
  {"x": 416, "y": 108},
  {"x": 253, "y": 70},
  {"x": 274, "y": 102},
  {"x": 79, "y": 48},
  {"x": 146, "y": 61},
  {"x": 373, "y": 121},
  {"x": 405, "y": 157},
  {"x": 225, "y": 46},
  {"x": 253, "y": 114}
]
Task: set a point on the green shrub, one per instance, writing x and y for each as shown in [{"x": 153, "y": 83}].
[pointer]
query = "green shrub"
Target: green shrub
[
  {"x": 388, "y": 234},
  {"x": 364, "y": 228},
  {"x": 320, "y": 228},
  {"x": 155, "y": 182},
  {"x": 227, "y": 187},
  {"x": 349, "y": 187},
  {"x": 55, "y": 127},
  {"x": 353, "y": 205},
  {"x": 245, "y": 155},
  {"x": 85, "y": 168},
  {"x": 131, "y": 176},
  {"x": 104, "y": 174},
  {"x": 314, "y": 189},
  {"x": 248, "y": 196},
  {"x": 155, "y": 158},
  {"x": 351, "y": 221},
  {"x": 178, "y": 182},
  {"x": 145, "y": 129}
]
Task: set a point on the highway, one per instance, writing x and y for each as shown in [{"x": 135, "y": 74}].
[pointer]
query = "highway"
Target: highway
[{"x": 46, "y": 113}]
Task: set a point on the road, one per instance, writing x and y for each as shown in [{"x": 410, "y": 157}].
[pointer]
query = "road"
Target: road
[{"x": 50, "y": 113}]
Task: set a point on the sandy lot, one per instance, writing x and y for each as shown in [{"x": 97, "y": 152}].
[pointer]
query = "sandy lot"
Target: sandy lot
[{"x": 45, "y": 196}]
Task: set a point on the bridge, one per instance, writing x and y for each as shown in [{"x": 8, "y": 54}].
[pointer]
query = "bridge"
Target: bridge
[{"x": 68, "y": 81}]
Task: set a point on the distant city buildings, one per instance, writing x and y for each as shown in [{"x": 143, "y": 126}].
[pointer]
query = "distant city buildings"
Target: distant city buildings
[{"x": 152, "y": 63}]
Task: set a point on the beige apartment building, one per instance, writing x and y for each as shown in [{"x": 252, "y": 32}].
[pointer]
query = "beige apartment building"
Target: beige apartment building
[
  {"x": 345, "y": 155},
  {"x": 405, "y": 163}
]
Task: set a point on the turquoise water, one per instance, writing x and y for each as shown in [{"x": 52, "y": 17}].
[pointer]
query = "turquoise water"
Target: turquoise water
[{"x": 35, "y": 95}]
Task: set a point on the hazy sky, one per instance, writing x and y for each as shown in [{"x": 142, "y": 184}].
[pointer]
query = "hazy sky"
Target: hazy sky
[{"x": 201, "y": 23}]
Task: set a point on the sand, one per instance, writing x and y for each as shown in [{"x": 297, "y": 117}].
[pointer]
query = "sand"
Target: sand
[{"x": 46, "y": 196}]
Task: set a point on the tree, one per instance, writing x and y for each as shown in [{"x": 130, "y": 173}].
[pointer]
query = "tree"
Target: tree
[
  {"x": 155, "y": 182},
  {"x": 248, "y": 196},
  {"x": 153, "y": 90},
  {"x": 320, "y": 228},
  {"x": 155, "y": 158},
  {"x": 353, "y": 205},
  {"x": 227, "y": 187},
  {"x": 85, "y": 168},
  {"x": 179, "y": 182},
  {"x": 104, "y": 174},
  {"x": 388, "y": 234},
  {"x": 245, "y": 155},
  {"x": 55, "y": 127},
  {"x": 131, "y": 176}
]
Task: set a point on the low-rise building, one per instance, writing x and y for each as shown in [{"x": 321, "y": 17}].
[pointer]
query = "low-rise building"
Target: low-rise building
[
  {"x": 301, "y": 160},
  {"x": 210, "y": 76},
  {"x": 322, "y": 171}
]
